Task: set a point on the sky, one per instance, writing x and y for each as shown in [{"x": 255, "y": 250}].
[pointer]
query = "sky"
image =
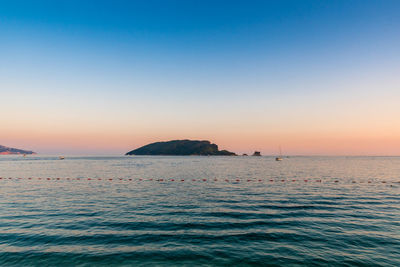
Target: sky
[{"x": 105, "y": 77}]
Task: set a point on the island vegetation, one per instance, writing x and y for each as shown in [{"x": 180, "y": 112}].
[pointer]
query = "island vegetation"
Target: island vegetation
[{"x": 181, "y": 148}]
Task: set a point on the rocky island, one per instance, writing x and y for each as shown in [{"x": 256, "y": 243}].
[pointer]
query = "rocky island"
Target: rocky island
[
  {"x": 13, "y": 151},
  {"x": 181, "y": 148}
]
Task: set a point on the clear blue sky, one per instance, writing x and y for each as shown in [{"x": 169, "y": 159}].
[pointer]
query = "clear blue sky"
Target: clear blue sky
[{"x": 106, "y": 76}]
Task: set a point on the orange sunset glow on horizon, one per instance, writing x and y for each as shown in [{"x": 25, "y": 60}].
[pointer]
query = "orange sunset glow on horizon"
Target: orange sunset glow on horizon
[{"x": 324, "y": 86}]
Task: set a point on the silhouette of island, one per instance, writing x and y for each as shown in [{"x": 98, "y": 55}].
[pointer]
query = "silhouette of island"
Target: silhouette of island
[
  {"x": 12, "y": 151},
  {"x": 181, "y": 148}
]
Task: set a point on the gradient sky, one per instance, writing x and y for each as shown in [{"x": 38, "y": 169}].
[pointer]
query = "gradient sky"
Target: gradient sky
[{"x": 104, "y": 77}]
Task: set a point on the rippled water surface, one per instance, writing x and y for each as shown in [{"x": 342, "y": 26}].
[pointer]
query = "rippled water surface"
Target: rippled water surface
[{"x": 193, "y": 211}]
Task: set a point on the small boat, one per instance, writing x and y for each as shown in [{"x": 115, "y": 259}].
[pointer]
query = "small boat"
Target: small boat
[
  {"x": 61, "y": 157},
  {"x": 279, "y": 158}
]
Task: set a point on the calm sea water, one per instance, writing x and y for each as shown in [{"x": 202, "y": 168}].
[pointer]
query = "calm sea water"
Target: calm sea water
[{"x": 264, "y": 214}]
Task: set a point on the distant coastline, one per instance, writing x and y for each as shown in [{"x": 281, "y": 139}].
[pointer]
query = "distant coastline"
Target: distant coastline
[{"x": 14, "y": 151}]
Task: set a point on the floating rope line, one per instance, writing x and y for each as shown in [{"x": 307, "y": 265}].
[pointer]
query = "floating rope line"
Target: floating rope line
[{"x": 237, "y": 180}]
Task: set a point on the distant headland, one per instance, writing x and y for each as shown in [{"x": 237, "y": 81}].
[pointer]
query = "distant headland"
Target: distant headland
[
  {"x": 13, "y": 151},
  {"x": 181, "y": 148}
]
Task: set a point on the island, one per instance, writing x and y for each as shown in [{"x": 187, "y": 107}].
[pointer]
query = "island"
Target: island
[
  {"x": 181, "y": 148},
  {"x": 13, "y": 151}
]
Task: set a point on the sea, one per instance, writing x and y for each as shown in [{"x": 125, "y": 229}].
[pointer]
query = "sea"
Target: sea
[{"x": 199, "y": 211}]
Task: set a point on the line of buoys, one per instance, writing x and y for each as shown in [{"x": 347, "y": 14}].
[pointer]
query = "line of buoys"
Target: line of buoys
[{"x": 237, "y": 180}]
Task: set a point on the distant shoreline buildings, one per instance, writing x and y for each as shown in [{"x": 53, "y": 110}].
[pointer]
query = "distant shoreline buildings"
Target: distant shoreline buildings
[{"x": 14, "y": 151}]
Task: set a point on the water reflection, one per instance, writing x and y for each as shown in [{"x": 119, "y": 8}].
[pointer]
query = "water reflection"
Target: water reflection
[{"x": 74, "y": 222}]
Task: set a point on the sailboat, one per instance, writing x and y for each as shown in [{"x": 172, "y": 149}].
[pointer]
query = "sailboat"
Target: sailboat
[{"x": 279, "y": 158}]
